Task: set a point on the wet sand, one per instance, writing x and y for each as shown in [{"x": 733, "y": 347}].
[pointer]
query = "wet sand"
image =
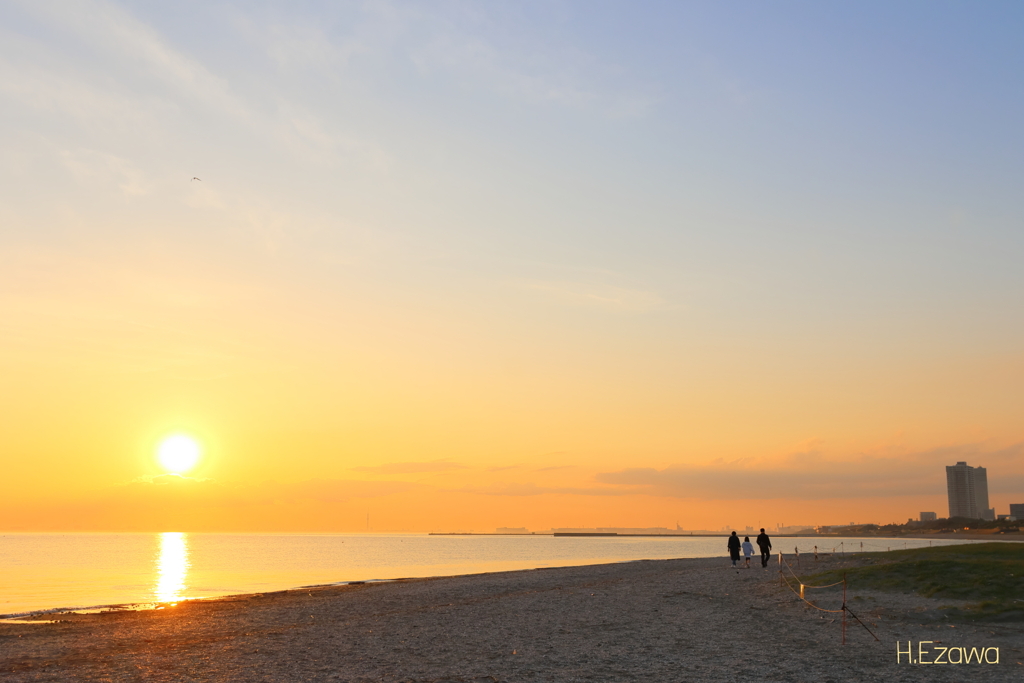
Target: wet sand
[{"x": 661, "y": 620}]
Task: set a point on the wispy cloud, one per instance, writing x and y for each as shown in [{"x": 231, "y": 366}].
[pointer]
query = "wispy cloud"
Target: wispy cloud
[
  {"x": 478, "y": 59},
  {"x": 295, "y": 44},
  {"x": 139, "y": 84},
  {"x": 411, "y": 467},
  {"x": 93, "y": 168},
  {"x": 481, "y": 47},
  {"x": 503, "y": 468},
  {"x": 116, "y": 32},
  {"x": 69, "y": 93},
  {"x": 532, "y": 489},
  {"x": 484, "y": 47},
  {"x": 209, "y": 492}
]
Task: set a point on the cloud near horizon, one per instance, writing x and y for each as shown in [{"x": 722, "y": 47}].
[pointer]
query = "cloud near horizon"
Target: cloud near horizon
[
  {"x": 174, "y": 502},
  {"x": 173, "y": 488},
  {"x": 812, "y": 476},
  {"x": 532, "y": 489},
  {"x": 178, "y": 503}
]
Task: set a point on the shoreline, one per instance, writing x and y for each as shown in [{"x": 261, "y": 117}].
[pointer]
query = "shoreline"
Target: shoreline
[
  {"x": 150, "y": 605},
  {"x": 28, "y": 617},
  {"x": 681, "y": 619}
]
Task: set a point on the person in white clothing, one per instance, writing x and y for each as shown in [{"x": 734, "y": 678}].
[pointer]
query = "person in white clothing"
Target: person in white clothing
[{"x": 748, "y": 550}]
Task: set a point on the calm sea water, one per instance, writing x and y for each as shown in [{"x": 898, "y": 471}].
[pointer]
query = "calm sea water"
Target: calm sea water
[{"x": 66, "y": 571}]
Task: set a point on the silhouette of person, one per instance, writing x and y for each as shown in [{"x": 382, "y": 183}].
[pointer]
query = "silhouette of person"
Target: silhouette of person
[
  {"x": 748, "y": 550},
  {"x": 734, "y": 548},
  {"x": 765, "y": 544}
]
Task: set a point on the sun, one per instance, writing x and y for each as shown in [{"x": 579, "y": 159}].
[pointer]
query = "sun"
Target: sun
[{"x": 178, "y": 453}]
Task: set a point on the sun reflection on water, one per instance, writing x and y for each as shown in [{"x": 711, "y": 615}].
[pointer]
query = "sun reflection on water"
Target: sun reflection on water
[{"x": 171, "y": 567}]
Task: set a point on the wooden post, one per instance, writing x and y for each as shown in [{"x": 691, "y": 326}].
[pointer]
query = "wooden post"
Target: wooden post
[{"x": 844, "y": 608}]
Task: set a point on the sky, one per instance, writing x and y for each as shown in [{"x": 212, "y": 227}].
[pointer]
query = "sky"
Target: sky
[{"x": 463, "y": 265}]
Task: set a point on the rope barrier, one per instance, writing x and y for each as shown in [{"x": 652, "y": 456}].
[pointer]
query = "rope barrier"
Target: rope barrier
[
  {"x": 861, "y": 546},
  {"x": 811, "y": 604},
  {"x": 804, "y": 584},
  {"x": 844, "y": 609}
]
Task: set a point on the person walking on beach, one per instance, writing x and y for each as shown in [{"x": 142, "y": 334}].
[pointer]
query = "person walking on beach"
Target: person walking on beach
[
  {"x": 748, "y": 550},
  {"x": 765, "y": 544},
  {"x": 734, "y": 548}
]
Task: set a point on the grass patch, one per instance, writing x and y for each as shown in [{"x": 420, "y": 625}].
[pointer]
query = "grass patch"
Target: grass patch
[{"x": 991, "y": 575}]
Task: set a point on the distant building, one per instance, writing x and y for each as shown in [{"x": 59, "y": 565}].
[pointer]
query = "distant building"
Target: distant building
[
  {"x": 1017, "y": 510},
  {"x": 928, "y": 517},
  {"x": 967, "y": 488},
  {"x": 1008, "y": 518},
  {"x": 511, "y": 530}
]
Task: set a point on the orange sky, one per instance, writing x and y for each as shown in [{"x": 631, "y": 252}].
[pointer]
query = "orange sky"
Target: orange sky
[
  {"x": 448, "y": 419},
  {"x": 454, "y": 271}
]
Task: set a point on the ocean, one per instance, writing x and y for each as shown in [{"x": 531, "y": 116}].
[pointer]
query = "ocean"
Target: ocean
[{"x": 40, "y": 572}]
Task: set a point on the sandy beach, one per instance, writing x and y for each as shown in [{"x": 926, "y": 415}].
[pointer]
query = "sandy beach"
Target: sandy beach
[{"x": 663, "y": 620}]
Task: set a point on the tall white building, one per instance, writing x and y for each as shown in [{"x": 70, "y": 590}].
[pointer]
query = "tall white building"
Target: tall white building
[{"x": 967, "y": 488}]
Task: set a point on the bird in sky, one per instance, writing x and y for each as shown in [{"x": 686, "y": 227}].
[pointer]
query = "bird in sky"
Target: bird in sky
[{"x": 194, "y": 178}]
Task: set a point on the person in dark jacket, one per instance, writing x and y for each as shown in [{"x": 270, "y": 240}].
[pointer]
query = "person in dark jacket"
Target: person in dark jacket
[
  {"x": 734, "y": 548},
  {"x": 765, "y": 544}
]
